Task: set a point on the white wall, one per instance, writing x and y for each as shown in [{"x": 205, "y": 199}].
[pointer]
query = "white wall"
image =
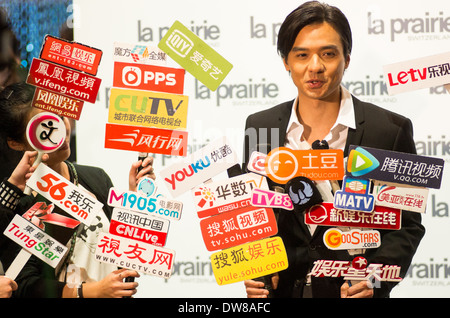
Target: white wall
[{"x": 244, "y": 32}]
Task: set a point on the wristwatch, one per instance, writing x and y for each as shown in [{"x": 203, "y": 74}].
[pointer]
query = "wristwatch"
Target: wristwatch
[{"x": 80, "y": 290}]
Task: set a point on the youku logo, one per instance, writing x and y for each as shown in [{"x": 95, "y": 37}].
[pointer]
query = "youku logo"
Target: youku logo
[{"x": 429, "y": 26}]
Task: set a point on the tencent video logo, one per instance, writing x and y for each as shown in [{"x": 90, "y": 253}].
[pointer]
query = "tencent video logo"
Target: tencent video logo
[
  {"x": 395, "y": 166},
  {"x": 361, "y": 162}
]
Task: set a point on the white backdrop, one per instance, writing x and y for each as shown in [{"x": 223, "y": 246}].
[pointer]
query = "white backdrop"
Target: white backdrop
[{"x": 244, "y": 32}]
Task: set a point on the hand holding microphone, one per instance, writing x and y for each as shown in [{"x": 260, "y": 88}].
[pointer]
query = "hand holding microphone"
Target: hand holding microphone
[{"x": 323, "y": 144}]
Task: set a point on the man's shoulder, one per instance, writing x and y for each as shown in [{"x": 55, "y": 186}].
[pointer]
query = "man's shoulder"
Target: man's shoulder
[
  {"x": 374, "y": 112},
  {"x": 272, "y": 113}
]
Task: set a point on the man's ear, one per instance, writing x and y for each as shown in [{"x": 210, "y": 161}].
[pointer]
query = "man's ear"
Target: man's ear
[
  {"x": 15, "y": 145},
  {"x": 347, "y": 61},
  {"x": 286, "y": 66}
]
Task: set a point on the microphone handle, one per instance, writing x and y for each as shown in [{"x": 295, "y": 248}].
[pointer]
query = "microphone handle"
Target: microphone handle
[
  {"x": 142, "y": 156},
  {"x": 128, "y": 280},
  {"x": 267, "y": 280}
]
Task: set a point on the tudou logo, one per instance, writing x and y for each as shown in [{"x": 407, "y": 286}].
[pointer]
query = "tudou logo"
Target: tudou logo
[{"x": 191, "y": 169}]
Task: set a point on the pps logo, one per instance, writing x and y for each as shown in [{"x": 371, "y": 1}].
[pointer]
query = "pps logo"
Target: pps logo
[
  {"x": 131, "y": 76},
  {"x": 179, "y": 43}
]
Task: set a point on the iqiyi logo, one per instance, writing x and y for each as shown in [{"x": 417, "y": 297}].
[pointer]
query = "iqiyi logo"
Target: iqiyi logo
[
  {"x": 421, "y": 27},
  {"x": 179, "y": 43},
  {"x": 361, "y": 162}
]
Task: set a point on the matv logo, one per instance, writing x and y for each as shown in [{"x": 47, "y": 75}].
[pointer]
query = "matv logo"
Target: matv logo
[{"x": 361, "y": 162}]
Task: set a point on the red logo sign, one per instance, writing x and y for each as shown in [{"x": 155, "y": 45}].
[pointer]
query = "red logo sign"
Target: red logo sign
[
  {"x": 256, "y": 163},
  {"x": 146, "y": 139},
  {"x": 71, "y": 54},
  {"x": 149, "y": 77},
  {"x": 57, "y": 103},
  {"x": 138, "y": 226},
  {"x": 381, "y": 217},
  {"x": 63, "y": 80},
  {"x": 238, "y": 227}
]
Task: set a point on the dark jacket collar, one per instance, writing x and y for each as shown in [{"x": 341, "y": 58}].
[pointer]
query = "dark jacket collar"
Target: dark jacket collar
[{"x": 354, "y": 135}]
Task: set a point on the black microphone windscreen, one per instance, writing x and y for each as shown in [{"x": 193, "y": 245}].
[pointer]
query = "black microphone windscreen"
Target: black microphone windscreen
[
  {"x": 303, "y": 193},
  {"x": 320, "y": 144},
  {"x": 234, "y": 171}
]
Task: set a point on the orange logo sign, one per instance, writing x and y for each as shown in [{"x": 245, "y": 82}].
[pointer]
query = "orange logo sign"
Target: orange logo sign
[{"x": 282, "y": 164}]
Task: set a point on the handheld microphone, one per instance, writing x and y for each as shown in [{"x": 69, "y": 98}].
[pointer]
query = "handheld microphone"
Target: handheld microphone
[
  {"x": 323, "y": 144},
  {"x": 320, "y": 144},
  {"x": 267, "y": 280},
  {"x": 141, "y": 156},
  {"x": 234, "y": 171},
  {"x": 303, "y": 193}
]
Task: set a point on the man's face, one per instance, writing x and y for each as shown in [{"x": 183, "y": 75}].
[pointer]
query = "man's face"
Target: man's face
[{"x": 317, "y": 62}]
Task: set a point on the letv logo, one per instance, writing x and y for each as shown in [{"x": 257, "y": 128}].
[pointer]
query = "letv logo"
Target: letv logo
[{"x": 361, "y": 162}]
